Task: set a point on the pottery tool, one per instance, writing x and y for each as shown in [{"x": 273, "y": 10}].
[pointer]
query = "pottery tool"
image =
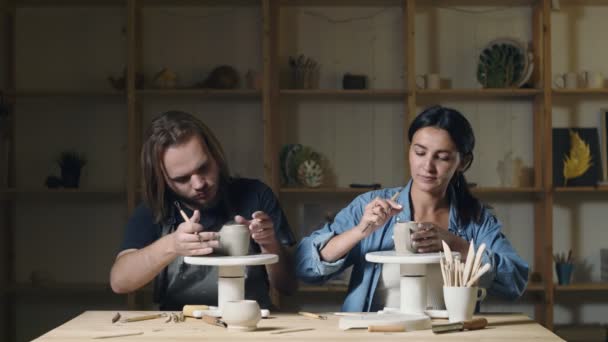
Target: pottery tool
[
  {"x": 214, "y": 321},
  {"x": 469, "y": 263},
  {"x": 408, "y": 322},
  {"x": 118, "y": 335},
  {"x": 478, "y": 255},
  {"x": 347, "y": 314},
  {"x": 181, "y": 212},
  {"x": 478, "y": 275},
  {"x": 189, "y": 310},
  {"x": 312, "y": 315},
  {"x": 143, "y": 318},
  {"x": 475, "y": 324},
  {"x": 291, "y": 331},
  {"x": 386, "y": 328},
  {"x": 116, "y": 317},
  {"x": 393, "y": 198}
]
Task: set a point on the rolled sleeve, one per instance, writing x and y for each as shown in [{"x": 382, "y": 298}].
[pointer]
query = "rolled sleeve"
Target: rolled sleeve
[
  {"x": 324, "y": 267},
  {"x": 310, "y": 267}
]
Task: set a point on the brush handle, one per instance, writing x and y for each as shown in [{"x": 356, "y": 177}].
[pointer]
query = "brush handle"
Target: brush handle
[{"x": 386, "y": 328}]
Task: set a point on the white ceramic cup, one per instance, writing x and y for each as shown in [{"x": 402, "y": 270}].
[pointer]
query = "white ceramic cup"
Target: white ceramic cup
[
  {"x": 460, "y": 301},
  {"x": 241, "y": 315},
  {"x": 592, "y": 79},
  {"x": 234, "y": 240},
  {"x": 428, "y": 81},
  {"x": 402, "y": 232},
  {"x": 568, "y": 80}
]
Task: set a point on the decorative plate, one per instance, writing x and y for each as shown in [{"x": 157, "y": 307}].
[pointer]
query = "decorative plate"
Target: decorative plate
[{"x": 504, "y": 63}]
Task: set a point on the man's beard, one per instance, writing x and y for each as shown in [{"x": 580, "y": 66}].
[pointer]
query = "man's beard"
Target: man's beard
[{"x": 197, "y": 205}]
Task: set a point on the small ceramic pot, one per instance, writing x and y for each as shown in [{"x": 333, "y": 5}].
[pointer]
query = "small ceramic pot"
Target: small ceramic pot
[
  {"x": 241, "y": 315},
  {"x": 234, "y": 240}
]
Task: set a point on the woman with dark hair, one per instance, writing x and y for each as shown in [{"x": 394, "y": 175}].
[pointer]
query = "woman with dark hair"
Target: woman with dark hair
[{"x": 437, "y": 196}]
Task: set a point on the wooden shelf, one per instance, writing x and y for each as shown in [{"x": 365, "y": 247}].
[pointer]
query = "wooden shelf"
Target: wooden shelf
[
  {"x": 493, "y": 3},
  {"x": 582, "y": 287},
  {"x": 581, "y": 91},
  {"x": 350, "y": 3},
  {"x": 535, "y": 287},
  {"x": 587, "y": 189},
  {"x": 70, "y": 3},
  {"x": 22, "y": 193},
  {"x": 324, "y": 190},
  {"x": 207, "y": 93},
  {"x": 340, "y": 93},
  {"x": 505, "y": 190},
  {"x": 191, "y": 3},
  {"x": 491, "y": 93},
  {"x": 65, "y": 93}
]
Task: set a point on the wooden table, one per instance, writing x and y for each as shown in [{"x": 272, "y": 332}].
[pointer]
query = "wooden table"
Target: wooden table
[{"x": 501, "y": 327}]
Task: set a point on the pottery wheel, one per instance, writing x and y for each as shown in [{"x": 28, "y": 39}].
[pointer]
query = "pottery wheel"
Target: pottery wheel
[
  {"x": 231, "y": 279},
  {"x": 413, "y": 277}
]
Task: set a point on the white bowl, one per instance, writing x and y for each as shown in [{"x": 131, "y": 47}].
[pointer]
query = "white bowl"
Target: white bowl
[{"x": 241, "y": 315}]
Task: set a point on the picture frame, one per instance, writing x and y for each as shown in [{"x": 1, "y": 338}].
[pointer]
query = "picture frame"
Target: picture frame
[
  {"x": 588, "y": 140},
  {"x": 603, "y": 131}
]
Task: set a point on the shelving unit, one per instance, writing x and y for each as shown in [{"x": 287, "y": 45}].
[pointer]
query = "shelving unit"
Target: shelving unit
[{"x": 275, "y": 102}]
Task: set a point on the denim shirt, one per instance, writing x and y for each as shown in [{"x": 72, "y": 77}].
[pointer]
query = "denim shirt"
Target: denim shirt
[{"x": 507, "y": 277}]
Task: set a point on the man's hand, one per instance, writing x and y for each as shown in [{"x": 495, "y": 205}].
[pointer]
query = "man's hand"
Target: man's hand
[
  {"x": 261, "y": 229},
  {"x": 189, "y": 238}
]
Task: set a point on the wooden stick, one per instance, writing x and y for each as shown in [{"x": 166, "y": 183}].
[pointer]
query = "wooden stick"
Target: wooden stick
[
  {"x": 118, "y": 335},
  {"x": 181, "y": 212},
  {"x": 478, "y": 275},
  {"x": 442, "y": 266},
  {"x": 386, "y": 328},
  {"x": 143, "y": 318},
  {"x": 312, "y": 315},
  {"x": 393, "y": 198},
  {"x": 290, "y": 331},
  {"x": 448, "y": 252},
  {"x": 469, "y": 263},
  {"x": 478, "y": 256}
]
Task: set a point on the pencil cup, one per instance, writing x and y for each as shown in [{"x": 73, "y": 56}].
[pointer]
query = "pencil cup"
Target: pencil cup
[
  {"x": 564, "y": 273},
  {"x": 460, "y": 301}
]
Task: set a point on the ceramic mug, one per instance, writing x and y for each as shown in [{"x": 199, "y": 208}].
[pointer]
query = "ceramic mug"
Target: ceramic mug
[
  {"x": 568, "y": 80},
  {"x": 402, "y": 236},
  {"x": 241, "y": 315},
  {"x": 460, "y": 301},
  {"x": 592, "y": 79},
  {"x": 234, "y": 240},
  {"x": 429, "y": 81}
]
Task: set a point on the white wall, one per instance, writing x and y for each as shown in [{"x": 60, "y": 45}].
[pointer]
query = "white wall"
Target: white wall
[{"x": 79, "y": 48}]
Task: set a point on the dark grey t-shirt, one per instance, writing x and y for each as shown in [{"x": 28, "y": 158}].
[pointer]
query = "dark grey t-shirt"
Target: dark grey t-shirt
[{"x": 181, "y": 283}]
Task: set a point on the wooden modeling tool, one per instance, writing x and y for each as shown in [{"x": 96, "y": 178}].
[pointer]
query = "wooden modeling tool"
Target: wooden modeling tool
[
  {"x": 475, "y": 324},
  {"x": 312, "y": 315},
  {"x": 393, "y": 198}
]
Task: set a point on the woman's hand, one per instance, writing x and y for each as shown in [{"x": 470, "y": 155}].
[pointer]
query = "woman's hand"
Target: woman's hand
[
  {"x": 376, "y": 213},
  {"x": 429, "y": 236}
]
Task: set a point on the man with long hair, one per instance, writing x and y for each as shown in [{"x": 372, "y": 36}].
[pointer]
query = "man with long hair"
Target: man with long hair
[{"x": 184, "y": 167}]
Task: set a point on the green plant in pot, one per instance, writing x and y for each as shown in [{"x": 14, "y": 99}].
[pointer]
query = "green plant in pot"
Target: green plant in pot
[{"x": 71, "y": 164}]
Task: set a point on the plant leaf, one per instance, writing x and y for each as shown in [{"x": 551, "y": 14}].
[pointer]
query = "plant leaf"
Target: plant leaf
[{"x": 579, "y": 159}]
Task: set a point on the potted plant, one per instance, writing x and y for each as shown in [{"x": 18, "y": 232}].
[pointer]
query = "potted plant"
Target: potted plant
[{"x": 71, "y": 163}]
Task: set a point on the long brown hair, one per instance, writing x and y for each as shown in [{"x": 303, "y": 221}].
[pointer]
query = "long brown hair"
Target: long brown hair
[{"x": 169, "y": 129}]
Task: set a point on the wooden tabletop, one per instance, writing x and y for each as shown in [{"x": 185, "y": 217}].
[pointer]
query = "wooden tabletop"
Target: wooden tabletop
[{"x": 96, "y": 324}]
